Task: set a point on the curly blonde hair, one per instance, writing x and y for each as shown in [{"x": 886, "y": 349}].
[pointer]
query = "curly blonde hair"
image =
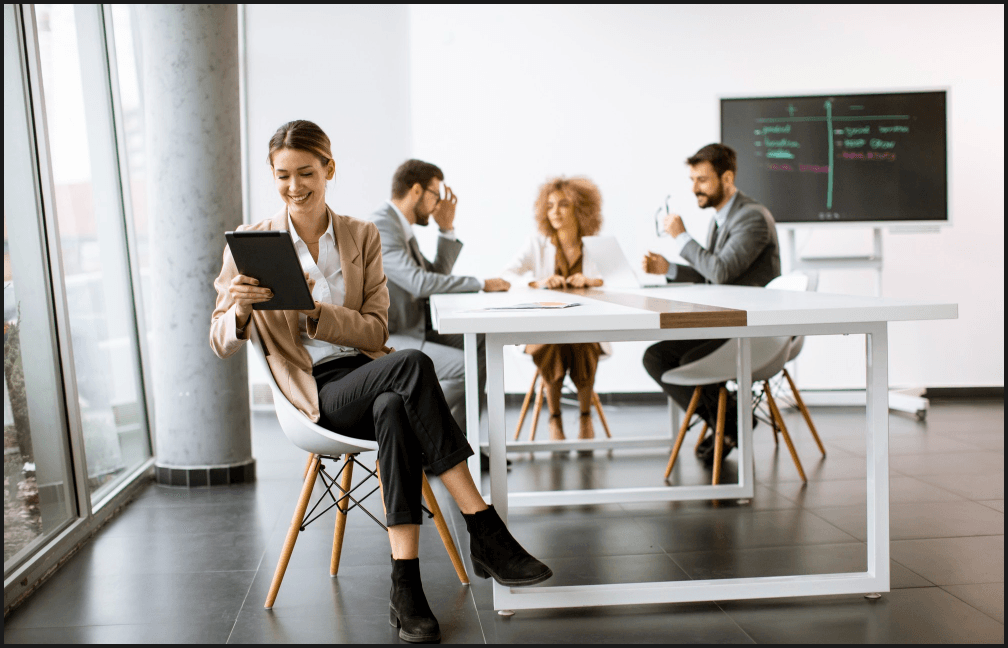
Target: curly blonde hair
[{"x": 585, "y": 197}]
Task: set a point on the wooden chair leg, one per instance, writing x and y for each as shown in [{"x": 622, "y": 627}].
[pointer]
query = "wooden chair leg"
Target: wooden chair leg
[
  {"x": 341, "y": 513},
  {"x": 525, "y": 405},
  {"x": 805, "y": 412},
  {"x": 703, "y": 435},
  {"x": 295, "y": 528},
  {"x": 381, "y": 488},
  {"x": 537, "y": 409},
  {"x": 443, "y": 531},
  {"x": 784, "y": 433},
  {"x": 307, "y": 465},
  {"x": 694, "y": 401},
  {"x": 722, "y": 407},
  {"x": 598, "y": 406}
]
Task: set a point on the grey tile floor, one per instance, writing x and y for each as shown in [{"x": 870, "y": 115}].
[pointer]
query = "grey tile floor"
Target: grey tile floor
[{"x": 195, "y": 566}]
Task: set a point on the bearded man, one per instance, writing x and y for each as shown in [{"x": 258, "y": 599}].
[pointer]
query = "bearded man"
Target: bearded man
[
  {"x": 741, "y": 250},
  {"x": 417, "y": 196}
]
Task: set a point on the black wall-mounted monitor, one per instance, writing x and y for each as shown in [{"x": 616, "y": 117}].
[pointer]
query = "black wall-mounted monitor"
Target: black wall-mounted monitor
[{"x": 879, "y": 158}]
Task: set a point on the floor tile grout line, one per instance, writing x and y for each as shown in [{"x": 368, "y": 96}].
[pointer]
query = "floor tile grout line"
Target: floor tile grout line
[
  {"x": 249, "y": 591},
  {"x": 728, "y": 614},
  {"x": 952, "y": 594},
  {"x": 472, "y": 597}
]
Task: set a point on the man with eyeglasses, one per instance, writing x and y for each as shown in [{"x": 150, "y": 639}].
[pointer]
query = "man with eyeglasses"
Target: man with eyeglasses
[
  {"x": 412, "y": 278},
  {"x": 742, "y": 250}
]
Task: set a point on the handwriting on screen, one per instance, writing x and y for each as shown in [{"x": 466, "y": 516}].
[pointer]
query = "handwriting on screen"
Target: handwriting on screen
[{"x": 878, "y": 157}]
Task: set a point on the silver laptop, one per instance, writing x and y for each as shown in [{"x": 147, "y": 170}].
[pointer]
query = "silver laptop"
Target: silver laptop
[{"x": 607, "y": 255}]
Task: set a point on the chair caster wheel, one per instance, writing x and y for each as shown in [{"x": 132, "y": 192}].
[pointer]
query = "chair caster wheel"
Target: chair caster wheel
[
  {"x": 505, "y": 613},
  {"x": 874, "y": 596}
]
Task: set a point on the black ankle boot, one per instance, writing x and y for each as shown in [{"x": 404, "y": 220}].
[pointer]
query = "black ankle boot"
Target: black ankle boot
[
  {"x": 408, "y": 609},
  {"x": 495, "y": 552}
]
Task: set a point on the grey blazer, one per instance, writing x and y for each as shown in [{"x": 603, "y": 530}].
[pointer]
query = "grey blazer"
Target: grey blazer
[
  {"x": 744, "y": 252},
  {"x": 412, "y": 278}
]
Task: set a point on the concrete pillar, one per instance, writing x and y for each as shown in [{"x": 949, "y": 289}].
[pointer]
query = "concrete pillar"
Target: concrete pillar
[{"x": 191, "y": 106}]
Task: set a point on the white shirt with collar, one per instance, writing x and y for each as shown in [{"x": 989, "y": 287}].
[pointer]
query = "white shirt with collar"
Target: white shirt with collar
[
  {"x": 328, "y": 289},
  {"x": 719, "y": 217}
]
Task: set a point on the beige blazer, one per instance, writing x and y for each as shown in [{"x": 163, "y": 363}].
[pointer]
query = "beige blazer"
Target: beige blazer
[{"x": 361, "y": 322}]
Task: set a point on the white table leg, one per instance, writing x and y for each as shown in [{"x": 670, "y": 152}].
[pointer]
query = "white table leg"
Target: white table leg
[
  {"x": 746, "y": 470},
  {"x": 675, "y": 419},
  {"x": 498, "y": 447},
  {"x": 472, "y": 406},
  {"x": 877, "y": 439},
  {"x": 495, "y": 411}
]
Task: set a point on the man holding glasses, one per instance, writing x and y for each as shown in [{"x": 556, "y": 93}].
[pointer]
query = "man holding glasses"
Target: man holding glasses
[
  {"x": 412, "y": 278},
  {"x": 742, "y": 250}
]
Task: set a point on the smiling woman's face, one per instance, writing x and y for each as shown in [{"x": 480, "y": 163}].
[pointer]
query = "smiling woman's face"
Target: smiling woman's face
[{"x": 301, "y": 180}]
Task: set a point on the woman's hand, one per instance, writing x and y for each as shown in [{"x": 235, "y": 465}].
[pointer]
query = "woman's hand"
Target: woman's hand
[
  {"x": 556, "y": 281},
  {"x": 578, "y": 280},
  {"x": 317, "y": 310},
  {"x": 246, "y": 291},
  {"x": 496, "y": 285}
]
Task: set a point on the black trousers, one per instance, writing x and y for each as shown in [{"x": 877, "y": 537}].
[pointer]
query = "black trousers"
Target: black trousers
[
  {"x": 396, "y": 401},
  {"x": 662, "y": 356}
]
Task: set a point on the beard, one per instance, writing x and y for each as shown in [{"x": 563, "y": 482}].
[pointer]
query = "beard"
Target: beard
[
  {"x": 421, "y": 218},
  {"x": 711, "y": 199}
]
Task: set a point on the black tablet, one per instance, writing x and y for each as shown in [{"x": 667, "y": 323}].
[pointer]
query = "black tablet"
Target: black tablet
[{"x": 271, "y": 258}]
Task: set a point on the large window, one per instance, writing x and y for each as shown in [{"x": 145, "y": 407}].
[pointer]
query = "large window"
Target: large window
[
  {"x": 38, "y": 490},
  {"x": 91, "y": 224},
  {"x": 76, "y": 424}
]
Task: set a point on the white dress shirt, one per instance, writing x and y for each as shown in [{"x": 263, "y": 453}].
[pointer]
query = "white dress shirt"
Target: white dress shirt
[
  {"x": 328, "y": 289},
  {"x": 719, "y": 217}
]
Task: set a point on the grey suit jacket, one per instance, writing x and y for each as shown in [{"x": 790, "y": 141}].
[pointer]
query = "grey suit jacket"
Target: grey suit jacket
[
  {"x": 412, "y": 278},
  {"x": 744, "y": 252}
]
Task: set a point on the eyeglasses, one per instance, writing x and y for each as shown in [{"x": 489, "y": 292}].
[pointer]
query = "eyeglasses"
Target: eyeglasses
[
  {"x": 659, "y": 218},
  {"x": 436, "y": 193}
]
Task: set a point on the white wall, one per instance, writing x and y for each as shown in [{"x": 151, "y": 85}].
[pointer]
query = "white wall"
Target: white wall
[
  {"x": 504, "y": 97},
  {"x": 345, "y": 67}
]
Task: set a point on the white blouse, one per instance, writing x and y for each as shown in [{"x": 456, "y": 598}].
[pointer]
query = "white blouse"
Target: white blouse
[
  {"x": 538, "y": 257},
  {"x": 329, "y": 289}
]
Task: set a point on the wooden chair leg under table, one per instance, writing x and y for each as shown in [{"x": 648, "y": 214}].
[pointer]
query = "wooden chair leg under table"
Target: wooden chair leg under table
[
  {"x": 805, "y": 412},
  {"x": 598, "y": 407},
  {"x": 703, "y": 435},
  {"x": 722, "y": 407},
  {"x": 694, "y": 401},
  {"x": 784, "y": 433},
  {"x": 537, "y": 409},
  {"x": 525, "y": 405}
]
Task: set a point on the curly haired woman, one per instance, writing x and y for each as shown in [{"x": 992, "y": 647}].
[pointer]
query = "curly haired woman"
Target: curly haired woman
[{"x": 566, "y": 210}]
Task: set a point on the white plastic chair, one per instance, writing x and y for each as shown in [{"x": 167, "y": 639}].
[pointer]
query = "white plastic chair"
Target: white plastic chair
[
  {"x": 322, "y": 444},
  {"x": 797, "y": 342},
  {"x": 768, "y": 357}
]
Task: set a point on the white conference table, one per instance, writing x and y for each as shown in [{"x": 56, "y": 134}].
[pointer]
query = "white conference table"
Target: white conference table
[{"x": 669, "y": 313}]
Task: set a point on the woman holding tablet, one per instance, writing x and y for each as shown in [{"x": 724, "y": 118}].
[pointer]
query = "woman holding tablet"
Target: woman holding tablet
[{"x": 331, "y": 362}]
